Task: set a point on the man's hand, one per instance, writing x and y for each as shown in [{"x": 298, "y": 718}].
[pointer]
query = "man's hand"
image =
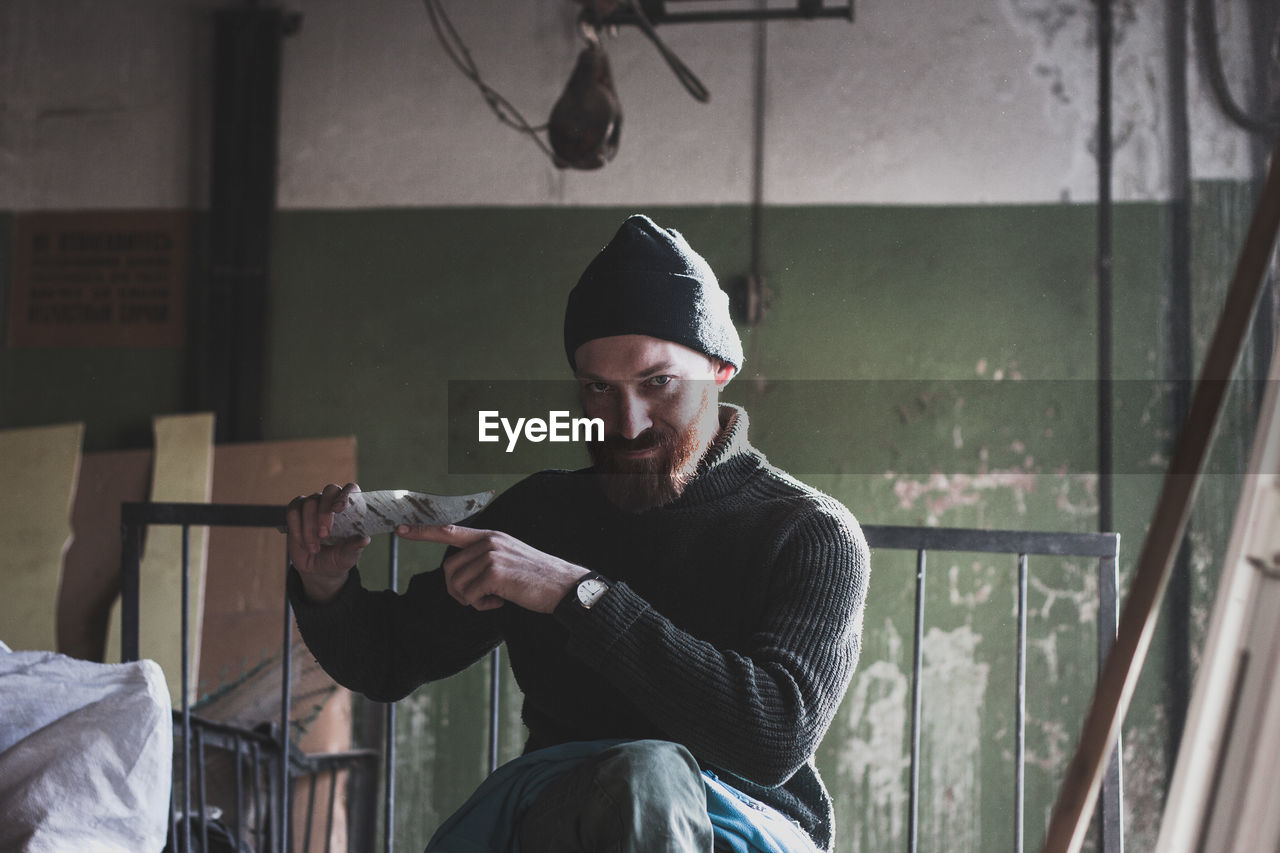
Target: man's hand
[
  {"x": 491, "y": 568},
  {"x": 323, "y": 568}
]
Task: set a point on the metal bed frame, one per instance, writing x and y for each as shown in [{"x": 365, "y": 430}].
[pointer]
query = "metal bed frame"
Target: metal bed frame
[{"x": 273, "y": 759}]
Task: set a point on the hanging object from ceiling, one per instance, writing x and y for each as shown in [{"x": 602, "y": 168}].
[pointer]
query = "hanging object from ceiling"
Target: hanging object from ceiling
[
  {"x": 586, "y": 122},
  {"x": 587, "y": 119}
]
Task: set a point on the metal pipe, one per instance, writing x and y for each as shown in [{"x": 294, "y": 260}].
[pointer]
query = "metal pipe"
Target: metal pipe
[
  {"x": 255, "y": 776},
  {"x": 917, "y": 706},
  {"x": 1178, "y": 355},
  {"x": 1105, "y": 417},
  {"x": 186, "y": 697},
  {"x": 1020, "y": 711},
  {"x": 238, "y": 755},
  {"x": 286, "y": 690},
  {"x": 389, "y": 772},
  {"x": 204, "y": 793},
  {"x": 757, "y": 145},
  {"x": 311, "y": 811},
  {"x": 130, "y": 559},
  {"x": 328, "y": 824},
  {"x": 495, "y": 689},
  {"x": 1111, "y": 813}
]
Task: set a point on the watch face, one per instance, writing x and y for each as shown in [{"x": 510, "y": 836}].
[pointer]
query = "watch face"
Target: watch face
[{"x": 590, "y": 590}]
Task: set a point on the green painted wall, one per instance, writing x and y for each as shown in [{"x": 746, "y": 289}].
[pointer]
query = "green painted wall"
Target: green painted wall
[{"x": 926, "y": 365}]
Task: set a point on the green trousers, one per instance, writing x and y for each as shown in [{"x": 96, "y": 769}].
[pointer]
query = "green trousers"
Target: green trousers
[{"x": 639, "y": 797}]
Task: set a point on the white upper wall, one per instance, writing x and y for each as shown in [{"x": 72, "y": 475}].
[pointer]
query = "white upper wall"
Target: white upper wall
[{"x": 916, "y": 102}]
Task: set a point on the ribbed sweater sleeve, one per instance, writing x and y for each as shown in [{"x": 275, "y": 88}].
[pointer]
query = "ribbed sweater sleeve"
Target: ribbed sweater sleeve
[
  {"x": 761, "y": 710},
  {"x": 385, "y": 645}
]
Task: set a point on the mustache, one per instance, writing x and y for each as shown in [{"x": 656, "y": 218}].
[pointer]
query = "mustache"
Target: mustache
[{"x": 646, "y": 440}]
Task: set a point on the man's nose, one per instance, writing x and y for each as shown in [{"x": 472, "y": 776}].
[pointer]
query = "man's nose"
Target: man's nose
[{"x": 633, "y": 416}]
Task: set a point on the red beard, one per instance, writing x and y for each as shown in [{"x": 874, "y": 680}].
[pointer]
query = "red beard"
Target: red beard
[{"x": 639, "y": 484}]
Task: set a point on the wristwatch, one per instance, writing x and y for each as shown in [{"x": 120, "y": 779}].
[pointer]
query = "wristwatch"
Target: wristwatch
[{"x": 590, "y": 588}]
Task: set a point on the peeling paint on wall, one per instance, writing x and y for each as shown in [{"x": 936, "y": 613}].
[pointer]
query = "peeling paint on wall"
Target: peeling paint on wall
[
  {"x": 940, "y": 493},
  {"x": 1078, "y": 587},
  {"x": 955, "y": 685},
  {"x": 1062, "y": 60},
  {"x": 872, "y": 757}
]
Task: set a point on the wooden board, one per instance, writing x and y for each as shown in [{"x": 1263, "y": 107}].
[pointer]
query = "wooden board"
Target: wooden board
[
  {"x": 38, "y": 467},
  {"x": 91, "y": 571},
  {"x": 1224, "y": 795},
  {"x": 244, "y": 595},
  {"x": 182, "y": 471}
]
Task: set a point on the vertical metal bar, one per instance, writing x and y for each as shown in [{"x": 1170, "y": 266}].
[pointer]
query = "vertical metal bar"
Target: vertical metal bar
[
  {"x": 311, "y": 811},
  {"x": 917, "y": 706},
  {"x": 172, "y": 840},
  {"x": 1020, "y": 751},
  {"x": 186, "y": 692},
  {"x": 333, "y": 792},
  {"x": 255, "y": 785},
  {"x": 204, "y": 793},
  {"x": 228, "y": 337},
  {"x": 1105, "y": 523},
  {"x": 130, "y": 558},
  {"x": 1111, "y": 811},
  {"x": 286, "y": 670},
  {"x": 1178, "y": 353},
  {"x": 389, "y": 772},
  {"x": 495, "y": 688},
  {"x": 238, "y": 757},
  {"x": 757, "y": 145},
  {"x": 284, "y": 794}
]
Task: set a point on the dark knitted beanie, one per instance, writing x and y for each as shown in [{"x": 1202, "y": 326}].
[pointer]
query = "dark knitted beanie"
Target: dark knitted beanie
[{"x": 649, "y": 281}]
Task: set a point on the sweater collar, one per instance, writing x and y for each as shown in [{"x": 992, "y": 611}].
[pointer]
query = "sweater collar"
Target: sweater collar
[{"x": 728, "y": 462}]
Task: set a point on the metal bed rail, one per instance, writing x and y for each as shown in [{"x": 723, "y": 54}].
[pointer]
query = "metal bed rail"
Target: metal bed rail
[
  {"x": 1105, "y": 547},
  {"x": 1102, "y": 546}
]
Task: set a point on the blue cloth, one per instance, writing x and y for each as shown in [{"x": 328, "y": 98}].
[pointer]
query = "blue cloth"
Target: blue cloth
[
  {"x": 746, "y": 825},
  {"x": 486, "y": 821}
]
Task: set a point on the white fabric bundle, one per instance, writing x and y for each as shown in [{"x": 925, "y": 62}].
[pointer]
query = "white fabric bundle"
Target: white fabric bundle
[{"x": 86, "y": 754}]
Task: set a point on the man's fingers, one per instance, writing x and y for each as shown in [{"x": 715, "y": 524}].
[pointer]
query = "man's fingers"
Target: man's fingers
[
  {"x": 348, "y": 553},
  {"x": 471, "y": 580},
  {"x": 463, "y": 572},
  {"x": 309, "y": 518},
  {"x": 449, "y": 534}
]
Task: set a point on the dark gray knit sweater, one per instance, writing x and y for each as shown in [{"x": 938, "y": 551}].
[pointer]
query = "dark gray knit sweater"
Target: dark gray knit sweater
[{"x": 733, "y": 626}]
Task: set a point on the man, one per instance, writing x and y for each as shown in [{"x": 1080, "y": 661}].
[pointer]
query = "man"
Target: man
[{"x": 681, "y": 617}]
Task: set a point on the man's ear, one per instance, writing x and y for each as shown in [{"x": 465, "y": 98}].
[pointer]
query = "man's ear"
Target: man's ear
[{"x": 724, "y": 372}]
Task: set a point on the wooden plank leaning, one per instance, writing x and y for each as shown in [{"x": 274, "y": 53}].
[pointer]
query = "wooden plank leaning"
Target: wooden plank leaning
[{"x": 1079, "y": 792}]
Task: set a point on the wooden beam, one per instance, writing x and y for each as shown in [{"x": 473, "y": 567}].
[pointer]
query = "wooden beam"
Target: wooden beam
[{"x": 1119, "y": 677}]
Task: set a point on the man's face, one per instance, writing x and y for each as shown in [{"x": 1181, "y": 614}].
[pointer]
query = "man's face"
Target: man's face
[{"x": 658, "y": 403}]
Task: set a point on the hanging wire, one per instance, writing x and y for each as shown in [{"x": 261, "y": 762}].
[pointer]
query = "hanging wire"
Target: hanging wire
[
  {"x": 461, "y": 57},
  {"x": 1207, "y": 31},
  {"x": 686, "y": 77}
]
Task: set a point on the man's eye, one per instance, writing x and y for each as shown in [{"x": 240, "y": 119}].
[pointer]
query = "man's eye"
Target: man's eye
[
  {"x": 597, "y": 387},
  {"x": 659, "y": 381}
]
